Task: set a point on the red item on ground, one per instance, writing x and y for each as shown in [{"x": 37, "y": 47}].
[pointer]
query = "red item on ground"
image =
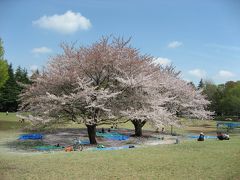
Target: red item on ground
[{"x": 69, "y": 149}]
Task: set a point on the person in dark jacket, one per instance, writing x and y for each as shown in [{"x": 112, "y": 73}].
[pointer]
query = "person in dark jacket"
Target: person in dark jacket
[
  {"x": 222, "y": 136},
  {"x": 201, "y": 137}
]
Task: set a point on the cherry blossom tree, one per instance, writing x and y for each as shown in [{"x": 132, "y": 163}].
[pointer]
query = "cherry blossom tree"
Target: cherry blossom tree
[
  {"x": 157, "y": 95},
  {"x": 77, "y": 85},
  {"x": 106, "y": 83}
]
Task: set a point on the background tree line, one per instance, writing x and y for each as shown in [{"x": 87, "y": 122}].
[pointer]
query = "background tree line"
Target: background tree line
[
  {"x": 11, "y": 83},
  {"x": 12, "y": 88},
  {"x": 225, "y": 98}
]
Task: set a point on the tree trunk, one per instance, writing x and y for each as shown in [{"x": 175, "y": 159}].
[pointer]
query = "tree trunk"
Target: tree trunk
[
  {"x": 138, "y": 127},
  {"x": 92, "y": 133}
]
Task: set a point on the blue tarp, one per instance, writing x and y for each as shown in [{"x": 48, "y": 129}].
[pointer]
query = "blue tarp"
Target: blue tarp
[
  {"x": 197, "y": 136},
  {"x": 229, "y": 124},
  {"x": 30, "y": 136},
  {"x": 118, "y": 138},
  {"x": 113, "y": 136},
  {"x": 84, "y": 142},
  {"x": 113, "y": 148}
]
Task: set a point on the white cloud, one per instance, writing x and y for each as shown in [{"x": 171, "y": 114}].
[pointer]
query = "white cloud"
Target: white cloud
[
  {"x": 175, "y": 44},
  {"x": 33, "y": 67},
  {"x": 223, "y": 74},
  {"x": 67, "y": 23},
  {"x": 41, "y": 50},
  {"x": 198, "y": 73},
  {"x": 163, "y": 61}
]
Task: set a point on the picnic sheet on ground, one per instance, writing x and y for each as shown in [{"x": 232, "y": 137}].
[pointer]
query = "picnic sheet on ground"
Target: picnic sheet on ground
[
  {"x": 114, "y": 148},
  {"x": 30, "y": 136},
  {"x": 229, "y": 124},
  {"x": 84, "y": 142},
  {"x": 197, "y": 136},
  {"x": 113, "y": 136}
]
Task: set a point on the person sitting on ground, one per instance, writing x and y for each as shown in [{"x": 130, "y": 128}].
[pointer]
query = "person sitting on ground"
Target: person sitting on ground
[
  {"x": 201, "y": 137},
  {"x": 222, "y": 136}
]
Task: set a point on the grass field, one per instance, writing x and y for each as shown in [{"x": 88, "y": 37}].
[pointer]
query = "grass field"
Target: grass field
[{"x": 210, "y": 159}]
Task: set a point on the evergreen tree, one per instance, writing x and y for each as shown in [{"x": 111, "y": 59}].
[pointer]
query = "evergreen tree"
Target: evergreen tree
[
  {"x": 201, "y": 84},
  {"x": 11, "y": 85},
  {"x": 9, "y": 93},
  {"x": 21, "y": 77}
]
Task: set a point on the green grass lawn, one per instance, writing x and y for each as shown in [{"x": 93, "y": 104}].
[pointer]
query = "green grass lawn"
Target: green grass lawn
[
  {"x": 210, "y": 159},
  {"x": 9, "y": 122}
]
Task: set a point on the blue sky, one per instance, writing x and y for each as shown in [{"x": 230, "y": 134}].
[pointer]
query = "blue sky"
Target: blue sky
[{"x": 201, "y": 38}]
